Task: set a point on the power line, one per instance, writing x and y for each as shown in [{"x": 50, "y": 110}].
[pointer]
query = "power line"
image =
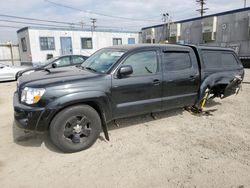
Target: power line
[
  {"x": 29, "y": 23},
  {"x": 69, "y": 24},
  {"x": 10, "y": 26},
  {"x": 98, "y": 13},
  {"x": 35, "y": 19}
]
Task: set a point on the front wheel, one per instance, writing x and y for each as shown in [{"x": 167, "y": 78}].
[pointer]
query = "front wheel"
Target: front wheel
[{"x": 75, "y": 128}]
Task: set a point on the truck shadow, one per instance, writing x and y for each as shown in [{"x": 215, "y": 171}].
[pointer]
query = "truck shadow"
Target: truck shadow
[
  {"x": 34, "y": 139},
  {"x": 143, "y": 119}
]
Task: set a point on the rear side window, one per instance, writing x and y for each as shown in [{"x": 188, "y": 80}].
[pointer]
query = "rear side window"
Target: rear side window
[
  {"x": 219, "y": 59},
  {"x": 175, "y": 61}
]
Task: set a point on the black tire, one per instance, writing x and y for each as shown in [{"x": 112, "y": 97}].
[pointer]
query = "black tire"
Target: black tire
[{"x": 64, "y": 119}]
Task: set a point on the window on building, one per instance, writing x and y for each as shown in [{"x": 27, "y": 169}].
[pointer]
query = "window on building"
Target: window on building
[
  {"x": 24, "y": 44},
  {"x": 174, "y": 61},
  {"x": 47, "y": 43},
  {"x": 143, "y": 63},
  {"x": 117, "y": 41},
  {"x": 87, "y": 43},
  {"x": 131, "y": 40}
]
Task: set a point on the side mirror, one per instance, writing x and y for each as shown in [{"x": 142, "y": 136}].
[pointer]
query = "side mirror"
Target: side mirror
[
  {"x": 125, "y": 70},
  {"x": 54, "y": 65}
]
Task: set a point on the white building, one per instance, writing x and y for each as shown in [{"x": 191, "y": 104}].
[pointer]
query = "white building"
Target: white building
[{"x": 36, "y": 44}]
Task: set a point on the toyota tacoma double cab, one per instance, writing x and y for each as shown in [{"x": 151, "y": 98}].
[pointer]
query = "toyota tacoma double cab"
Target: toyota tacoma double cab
[{"x": 75, "y": 103}]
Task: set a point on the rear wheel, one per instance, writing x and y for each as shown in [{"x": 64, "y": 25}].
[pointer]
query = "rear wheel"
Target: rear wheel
[{"x": 75, "y": 128}]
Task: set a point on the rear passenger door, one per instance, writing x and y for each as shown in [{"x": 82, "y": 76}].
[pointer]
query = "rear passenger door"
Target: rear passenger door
[{"x": 181, "y": 78}]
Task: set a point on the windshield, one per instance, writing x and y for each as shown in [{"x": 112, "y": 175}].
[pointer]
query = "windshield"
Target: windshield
[
  {"x": 47, "y": 62},
  {"x": 102, "y": 60}
]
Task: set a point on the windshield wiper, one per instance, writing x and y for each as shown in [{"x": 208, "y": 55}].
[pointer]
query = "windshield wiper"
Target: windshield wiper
[{"x": 89, "y": 68}]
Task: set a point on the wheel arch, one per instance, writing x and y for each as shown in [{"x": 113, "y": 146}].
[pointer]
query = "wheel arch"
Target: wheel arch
[{"x": 94, "y": 104}]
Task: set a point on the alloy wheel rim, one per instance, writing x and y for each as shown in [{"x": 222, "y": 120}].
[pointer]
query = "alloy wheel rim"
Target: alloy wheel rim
[{"x": 77, "y": 129}]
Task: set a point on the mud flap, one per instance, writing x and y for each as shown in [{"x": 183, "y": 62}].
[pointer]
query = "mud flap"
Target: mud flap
[{"x": 105, "y": 127}]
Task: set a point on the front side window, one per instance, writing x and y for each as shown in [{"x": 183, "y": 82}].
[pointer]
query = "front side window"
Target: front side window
[
  {"x": 87, "y": 43},
  {"x": 143, "y": 63},
  {"x": 61, "y": 62},
  {"x": 24, "y": 44},
  {"x": 47, "y": 43},
  {"x": 117, "y": 41},
  {"x": 174, "y": 61}
]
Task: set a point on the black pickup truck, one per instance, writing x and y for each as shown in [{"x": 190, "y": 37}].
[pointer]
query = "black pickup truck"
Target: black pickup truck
[{"x": 76, "y": 103}]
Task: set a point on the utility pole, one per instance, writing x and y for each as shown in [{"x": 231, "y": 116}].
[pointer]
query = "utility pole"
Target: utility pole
[
  {"x": 245, "y": 3},
  {"x": 93, "y": 21},
  {"x": 165, "y": 19},
  {"x": 81, "y": 24},
  {"x": 202, "y": 4}
]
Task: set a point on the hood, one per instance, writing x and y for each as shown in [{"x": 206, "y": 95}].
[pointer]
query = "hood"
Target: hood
[{"x": 56, "y": 76}]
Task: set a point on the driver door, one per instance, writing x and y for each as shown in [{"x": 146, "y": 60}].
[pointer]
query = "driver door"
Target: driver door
[{"x": 141, "y": 91}]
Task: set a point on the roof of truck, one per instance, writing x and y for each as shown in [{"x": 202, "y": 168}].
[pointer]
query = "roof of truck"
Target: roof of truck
[
  {"x": 213, "y": 48},
  {"x": 173, "y": 46},
  {"x": 140, "y": 46}
]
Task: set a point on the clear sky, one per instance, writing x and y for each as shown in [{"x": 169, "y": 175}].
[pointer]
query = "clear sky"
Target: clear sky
[{"x": 137, "y": 9}]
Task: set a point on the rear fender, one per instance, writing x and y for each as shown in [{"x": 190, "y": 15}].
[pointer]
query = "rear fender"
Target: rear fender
[{"x": 223, "y": 78}]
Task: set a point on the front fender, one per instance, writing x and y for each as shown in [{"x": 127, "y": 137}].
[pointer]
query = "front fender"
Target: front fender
[
  {"x": 94, "y": 97},
  {"x": 98, "y": 97}
]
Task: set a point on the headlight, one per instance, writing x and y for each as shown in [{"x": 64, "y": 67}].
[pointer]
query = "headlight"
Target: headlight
[{"x": 32, "y": 95}]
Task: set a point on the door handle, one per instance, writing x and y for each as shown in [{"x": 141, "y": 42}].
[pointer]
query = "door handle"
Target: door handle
[
  {"x": 192, "y": 77},
  {"x": 156, "y": 82}
]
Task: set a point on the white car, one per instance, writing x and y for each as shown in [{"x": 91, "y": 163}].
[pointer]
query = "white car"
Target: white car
[{"x": 8, "y": 72}]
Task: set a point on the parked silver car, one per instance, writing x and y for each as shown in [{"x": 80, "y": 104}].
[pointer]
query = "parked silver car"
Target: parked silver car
[{"x": 8, "y": 72}]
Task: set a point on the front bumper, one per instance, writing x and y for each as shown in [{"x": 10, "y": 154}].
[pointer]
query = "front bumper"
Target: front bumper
[{"x": 30, "y": 118}]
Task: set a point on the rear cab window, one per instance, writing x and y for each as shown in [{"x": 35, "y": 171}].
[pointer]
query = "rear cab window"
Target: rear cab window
[{"x": 213, "y": 59}]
